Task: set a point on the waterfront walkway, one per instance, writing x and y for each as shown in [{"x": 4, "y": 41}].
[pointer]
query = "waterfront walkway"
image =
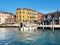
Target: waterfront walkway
[
  {"x": 9, "y": 26},
  {"x": 55, "y": 26}
]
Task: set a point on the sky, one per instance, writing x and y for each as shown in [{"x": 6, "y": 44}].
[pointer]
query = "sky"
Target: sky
[{"x": 44, "y": 6}]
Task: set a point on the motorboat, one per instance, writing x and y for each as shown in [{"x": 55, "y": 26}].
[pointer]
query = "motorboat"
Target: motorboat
[{"x": 29, "y": 27}]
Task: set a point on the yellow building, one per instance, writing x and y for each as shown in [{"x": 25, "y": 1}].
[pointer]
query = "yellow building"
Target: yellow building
[{"x": 24, "y": 15}]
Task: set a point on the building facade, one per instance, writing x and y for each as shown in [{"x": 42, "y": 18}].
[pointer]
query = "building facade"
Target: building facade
[
  {"x": 6, "y": 17},
  {"x": 40, "y": 17},
  {"x": 54, "y": 16},
  {"x": 24, "y": 15}
]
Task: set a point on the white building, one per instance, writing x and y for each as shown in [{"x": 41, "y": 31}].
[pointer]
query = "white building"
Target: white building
[{"x": 6, "y": 18}]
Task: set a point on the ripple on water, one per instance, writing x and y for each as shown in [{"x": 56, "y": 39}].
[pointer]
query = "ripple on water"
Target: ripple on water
[
  {"x": 46, "y": 37},
  {"x": 7, "y": 36}
]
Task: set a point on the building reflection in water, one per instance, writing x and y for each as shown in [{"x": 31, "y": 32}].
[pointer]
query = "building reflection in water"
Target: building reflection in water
[
  {"x": 38, "y": 37},
  {"x": 23, "y": 36},
  {"x": 13, "y": 36},
  {"x": 7, "y": 36}
]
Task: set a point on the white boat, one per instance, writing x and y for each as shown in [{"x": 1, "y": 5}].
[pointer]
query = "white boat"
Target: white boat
[{"x": 28, "y": 27}]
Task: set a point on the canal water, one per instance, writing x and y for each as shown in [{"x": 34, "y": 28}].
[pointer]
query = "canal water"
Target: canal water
[{"x": 12, "y": 36}]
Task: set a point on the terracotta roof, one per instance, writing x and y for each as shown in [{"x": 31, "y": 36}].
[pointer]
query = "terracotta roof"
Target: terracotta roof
[
  {"x": 53, "y": 13},
  {"x": 25, "y": 9},
  {"x": 7, "y": 13}
]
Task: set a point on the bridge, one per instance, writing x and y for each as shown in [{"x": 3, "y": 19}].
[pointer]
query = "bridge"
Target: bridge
[
  {"x": 55, "y": 26},
  {"x": 52, "y": 22}
]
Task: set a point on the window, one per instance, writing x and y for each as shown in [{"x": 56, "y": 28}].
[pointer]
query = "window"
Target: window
[
  {"x": 30, "y": 17},
  {"x": 23, "y": 12},
  {"x": 20, "y": 16},
  {"x": 52, "y": 16},
  {"x": 23, "y": 20},
  {"x": 23, "y": 16},
  {"x": 46, "y": 17},
  {"x": 28, "y": 12},
  {"x": 16, "y": 16},
  {"x": 20, "y": 12}
]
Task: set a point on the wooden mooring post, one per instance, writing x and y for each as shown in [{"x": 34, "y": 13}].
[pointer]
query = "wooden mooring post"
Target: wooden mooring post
[
  {"x": 43, "y": 25},
  {"x": 53, "y": 25}
]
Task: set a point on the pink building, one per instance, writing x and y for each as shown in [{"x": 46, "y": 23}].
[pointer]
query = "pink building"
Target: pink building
[
  {"x": 11, "y": 19},
  {"x": 6, "y": 17},
  {"x": 40, "y": 17}
]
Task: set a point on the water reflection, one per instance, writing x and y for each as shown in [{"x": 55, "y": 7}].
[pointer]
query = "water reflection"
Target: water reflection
[
  {"x": 38, "y": 37},
  {"x": 7, "y": 36},
  {"x": 12, "y": 36}
]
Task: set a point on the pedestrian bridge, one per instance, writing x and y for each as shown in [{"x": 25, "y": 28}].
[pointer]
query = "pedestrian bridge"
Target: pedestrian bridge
[{"x": 55, "y": 26}]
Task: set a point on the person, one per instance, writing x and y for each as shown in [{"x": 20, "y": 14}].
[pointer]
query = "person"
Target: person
[{"x": 21, "y": 25}]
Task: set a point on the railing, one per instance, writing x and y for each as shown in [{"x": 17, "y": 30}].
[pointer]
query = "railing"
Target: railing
[{"x": 57, "y": 26}]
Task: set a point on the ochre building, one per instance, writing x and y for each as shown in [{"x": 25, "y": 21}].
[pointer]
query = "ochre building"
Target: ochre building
[{"x": 26, "y": 15}]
